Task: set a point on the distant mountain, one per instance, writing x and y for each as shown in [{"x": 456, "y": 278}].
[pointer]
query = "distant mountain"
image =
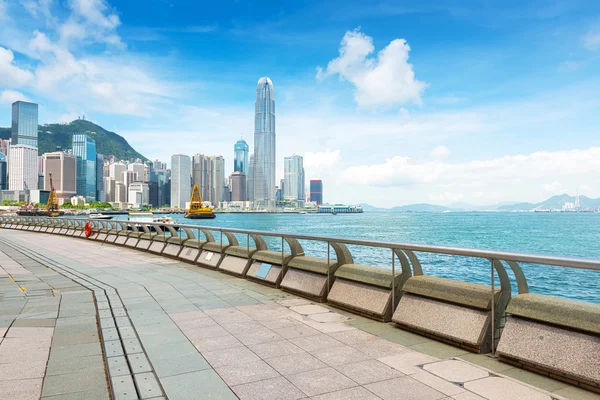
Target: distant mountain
[
  {"x": 368, "y": 207},
  {"x": 422, "y": 207},
  {"x": 108, "y": 143},
  {"x": 553, "y": 203}
]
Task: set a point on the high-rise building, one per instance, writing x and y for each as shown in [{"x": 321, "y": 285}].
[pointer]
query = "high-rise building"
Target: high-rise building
[
  {"x": 3, "y": 172},
  {"x": 22, "y": 167},
  {"x": 201, "y": 175},
  {"x": 100, "y": 196},
  {"x": 240, "y": 157},
  {"x": 238, "y": 186},
  {"x": 293, "y": 186},
  {"x": 63, "y": 167},
  {"x": 264, "y": 145},
  {"x": 24, "y": 124},
  {"x": 115, "y": 171},
  {"x": 109, "y": 189},
  {"x": 250, "y": 179},
  {"x": 139, "y": 170},
  {"x": 138, "y": 193},
  {"x": 120, "y": 192},
  {"x": 316, "y": 191},
  {"x": 157, "y": 187},
  {"x": 181, "y": 171},
  {"x": 217, "y": 180},
  {"x": 84, "y": 147}
]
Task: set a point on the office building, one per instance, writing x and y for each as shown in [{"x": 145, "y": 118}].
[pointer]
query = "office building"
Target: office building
[
  {"x": 316, "y": 191},
  {"x": 139, "y": 170},
  {"x": 120, "y": 192},
  {"x": 138, "y": 193},
  {"x": 84, "y": 148},
  {"x": 181, "y": 171},
  {"x": 4, "y": 144},
  {"x": 293, "y": 185},
  {"x": 109, "y": 189},
  {"x": 63, "y": 167},
  {"x": 264, "y": 145},
  {"x": 217, "y": 180},
  {"x": 238, "y": 186},
  {"x": 115, "y": 171},
  {"x": 100, "y": 196},
  {"x": 201, "y": 175},
  {"x": 240, "y": 157},
  {"x": 250, "y": 178},
  {"x": 24, "y": 128},
  {"x": 3, "y": 172},
  {"x": 22, "y": 167},
  {"x": 158, "y": 189}
]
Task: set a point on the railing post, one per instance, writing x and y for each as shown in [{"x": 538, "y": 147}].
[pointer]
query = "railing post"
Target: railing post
[
  {"x": 328, "y": 267},
  {"x": 221, "y": 240},
  {"x": 493, "y": 316},
  {"x": 393, "y": 281},
  {"x": 282, "y": 257},
  {"x": 248, "y": 244},
  {"x": 198, "y": 238}
]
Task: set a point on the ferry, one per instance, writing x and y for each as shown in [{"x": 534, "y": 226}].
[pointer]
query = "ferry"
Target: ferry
[
  {"x": 100, "y": 216},
  {"x": 139, "y": 218}
]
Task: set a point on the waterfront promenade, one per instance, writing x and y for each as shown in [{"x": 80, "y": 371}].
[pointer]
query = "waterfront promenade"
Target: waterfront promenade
[{"x": 82, "y": 320}]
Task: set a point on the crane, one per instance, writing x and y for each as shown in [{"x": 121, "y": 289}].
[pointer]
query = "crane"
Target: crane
[{"x": 52, "y": 207}]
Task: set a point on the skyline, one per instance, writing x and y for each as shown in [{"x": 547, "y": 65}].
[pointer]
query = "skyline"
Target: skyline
[{"x": 498, "y": 104}]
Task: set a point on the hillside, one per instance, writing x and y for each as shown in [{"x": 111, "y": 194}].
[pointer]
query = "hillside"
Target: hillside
[
  {"x": 553, "y": 203},
  {"x": 108, "y": 143}
]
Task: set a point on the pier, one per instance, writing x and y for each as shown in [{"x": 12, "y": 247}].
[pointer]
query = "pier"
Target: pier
[{"x": 214, "y": 313}]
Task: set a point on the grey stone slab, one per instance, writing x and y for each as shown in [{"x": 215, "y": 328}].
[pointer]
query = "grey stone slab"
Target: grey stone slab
[
  {"x": 268, "y": 389},
  {"x": 72, "y": 383},
  {"x": 76, "y": 338},
  {"x": 246, "y": 373},
  {"x": 179, "y": 364},
  {"x": 320, "y": 381},
  {"x": 355, "y": 393},
  {"x": 113, "y": 348},
  {"x": 107, "y": 323},
  {"x": 119, "y": 312},
  {"x": 105, "y": 313},
  {"x": 127, "y": 332},
  {"x": 110, "y": 334},
  {"x": 197, "y": 385},
  {"x": 89, "y": 364},
  {"x": 132, "y": 346},
  {"x": 147, "y": 385},
  {"x": 87, "y": 395},
  {"x": 76, "y": 350},
  {"x": 139, "y": 363},
  {"x": 122, "y": 321},
  {"x": 117, "y": 366},
  {"x": 404, "y": 388},
  {"x": 123, "y": 388}
]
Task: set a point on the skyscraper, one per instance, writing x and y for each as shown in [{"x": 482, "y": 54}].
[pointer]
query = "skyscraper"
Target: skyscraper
[
  {"x": 217, "y": 180},
  {"x": 24, "y": 123},
  {"x": 84, "y": 147},
  {"x": 238, "y": 186},
  {"x": 22, "y": 167},
  {"x": 100, "y": 196},
  {"x": 3, "y": 172},
  {"x": 63, "y": 167},
  {"x": 293, "y": 188},
  {"x": 316, "y": 191},
  {"x": 181, "y": 172},
  {"x": 240, "y": 152},
  {"x": 200, "y": 175},
  {"x": 264, "y": 145},
  {"x": 250, "y": 179}
]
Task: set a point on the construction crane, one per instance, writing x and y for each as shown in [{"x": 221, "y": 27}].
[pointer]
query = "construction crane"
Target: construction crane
[
  {"x": 52, "y": 209},
  {"x": 197, "y": 208}
]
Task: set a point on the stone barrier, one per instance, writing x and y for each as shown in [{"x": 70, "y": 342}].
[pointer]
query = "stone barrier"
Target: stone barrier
[
  {"x": 267, "y": 266},
  {"x": 213, "y": 252},
  {"x": 193, "y": 247},
  {"x": 237, "y": 259}
]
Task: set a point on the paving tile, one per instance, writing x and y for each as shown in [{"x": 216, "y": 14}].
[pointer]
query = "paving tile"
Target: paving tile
[
  {"x": 77, "y": 350},
  {"x": 295, "y": 363},
  {"x": 232, "y": 356},
  {"x": 404, "y": 388},
  {"x": 88, "y": 364},
  {"x": 264, "y": 335},
  {"x": 486, "y": 362},
  {"x": 534, "y": 379},
  {"x": 407, "y": 362},
  {"x": 339, "y": 355},
  {"x": 368, "y": 371},
  {"x": 275, "y": 349},
  {"x": 574, "y": 393},
  {"x": 72, "y": 383},
  {"x": 316, "y": 342},
  {"x": 293, "y": 302},
  {"x": 22, "y": 370},
  {"x": 439, "y": 350},
  {"x": 299, "y": 330},
  {"x": 132, "y": 346},
  {"x": 379, "y": 348},
  {"x": 455, "y": 371},
  {"x": 87, "y": 395},
  {"x": 309, "y": 309},
  {"x": 127, "y": 332},
  {"x": 139, "y": 363},
  {"x": 147, "y": 385},
  {"x": 467, "y": 396},
  {"x": 124, "y": 388},
  {"x": 110, "y": 334},
  {"x": 245, "y": 373},
  {"x": 437, "y": 383},
  {"x": 329, "y": 317},
  {"x": 320, "y": 381},
  {"x": 117, "y": 366},
  {"x": 26, "y": 389},
  {"x": 197, "y": 385},
  {"x": 246, "y": 326},
  {"x": 355, "y": 393},
  {"x": 269, "y": 389},
  {"x": 113, "y": 348},
  {"x": 496, "y": 388},
  {"x": 217, "y": 343}
]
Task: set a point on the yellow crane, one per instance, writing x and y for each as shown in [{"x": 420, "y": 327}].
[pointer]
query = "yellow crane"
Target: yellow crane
[
  {"x": 52, "y": 209},
  {"x": 197, "y": 208}
]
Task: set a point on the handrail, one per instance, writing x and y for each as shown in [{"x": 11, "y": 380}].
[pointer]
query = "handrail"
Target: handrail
[{"x": 570, "y": 262}]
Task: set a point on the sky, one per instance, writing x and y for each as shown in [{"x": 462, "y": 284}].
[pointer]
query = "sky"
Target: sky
[{"x": 389, "y": 102}]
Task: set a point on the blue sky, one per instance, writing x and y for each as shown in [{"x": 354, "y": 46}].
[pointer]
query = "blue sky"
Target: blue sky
[{"x": 390, "y": 102}]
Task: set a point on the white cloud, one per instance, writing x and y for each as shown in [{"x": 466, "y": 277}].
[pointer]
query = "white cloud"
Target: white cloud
[
  {"x": 10, "y": 96},
  {"x": 91, "y": 20},
  {"x": 39, "y": 8},
  {"x": 440, "y": 152},
  {"x": 386, "y": 80},
  {"x": 592, "y": 40},
  {"x": 446, "y": 197},
  {"x": 10, "y": 74},
  {"x": 553, "y": 187},
  {"x": 3, "y": 14},
  {"x": 323, "y": 159}
]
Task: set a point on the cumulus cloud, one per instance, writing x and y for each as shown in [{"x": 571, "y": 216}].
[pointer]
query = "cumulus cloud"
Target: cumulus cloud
[
  {"x": 592, "y": 40},
  {"x": 553, "y": 187},
  {"x": 440, "y": 152},
  {"x": 91, "y": 19},
  {"x": 39, "y": 8},
  {"x": 322, "y": 159},
  {"x": 3, "y": 15},
  {"x": 385, "y": 80},
  {"x": 10, "y": 96},
  {"x": 10, "y": 74}
]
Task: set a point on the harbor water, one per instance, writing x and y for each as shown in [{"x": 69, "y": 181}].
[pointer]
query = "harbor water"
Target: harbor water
[{"x": 559, "y": 234}]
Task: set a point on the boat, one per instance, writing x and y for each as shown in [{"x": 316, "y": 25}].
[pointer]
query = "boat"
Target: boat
[
  {"x": 52, "y": 209},
  {"x": 197, "y": 209},
  {"x": 100, "y": 216},
  {"x": 140, "y": 218}
]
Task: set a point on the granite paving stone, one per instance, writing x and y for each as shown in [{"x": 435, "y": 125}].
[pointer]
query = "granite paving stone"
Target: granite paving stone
[
  {"x": 456, "y": 371},
  {"x": 355, "y": 393},
  {"x": 124, "y": 388},
  {"x": 404, "y": 388},
  {"x": 245, "y": 373},
  {"x": 147, "y": 384},
  {"x": 295, "y": 363},
  {"x": 497, "y": 388},
  {"x": 117, "y": 366},
  {"x": 320, "y": 381},
  {"x": 368, "y": 371},
  {"x": 275, "y": 349},
  {"x": 204, "y": 384},
  {"x": 269, "y": 389},
  {"x": 339, "y": 355}
]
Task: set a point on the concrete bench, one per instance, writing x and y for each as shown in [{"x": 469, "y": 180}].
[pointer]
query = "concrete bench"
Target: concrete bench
[
  {"x": 268, "y": 267},
  {"x": 554, "y": 336},
  {"x": 312, "y": 277},
  {"x": 212, "y": 252},
  {"x": 176, "y": 241},
  {"x": 452, "y": 311},
  {"x": 237, "y": 259},
  {"x": 193, "y": 247},
  {"x": 104, "y": 228},
  {"x": 366, "y": 290}
]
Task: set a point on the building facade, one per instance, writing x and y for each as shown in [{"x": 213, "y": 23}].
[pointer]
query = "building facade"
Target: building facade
[
  {"x": 264, "y": 145},
  {"x": 238, "y": 186},
  {"x": 181, "y": 170},
  {"x": 84, "y": 148},
  {"x": 63, "y": 167},
  {"x": 250, "y": 179},
  {"x": 201, "y": 175},
  {"x": 22, "y": 167},
  {"x": 293, "y": 185},
  {"x": 100, "y": 195},
  {"x": 24, "y": 128},
  {"x": 217, "y": 180},
  {"x": 316, "y": 191},
  {"x": 138, "y": 193},
  {"x": 3, "y": 172},
  {"x": 240, "y": 157}
]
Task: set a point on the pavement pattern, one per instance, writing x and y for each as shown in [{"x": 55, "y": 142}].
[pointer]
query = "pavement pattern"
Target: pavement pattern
[{"x": 83, "y": 320}]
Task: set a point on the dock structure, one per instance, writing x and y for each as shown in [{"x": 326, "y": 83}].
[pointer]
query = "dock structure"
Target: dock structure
[{"x": 213, "y": 313}]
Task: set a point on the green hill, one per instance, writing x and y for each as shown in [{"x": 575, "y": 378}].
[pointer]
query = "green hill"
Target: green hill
[{"x": 108, "y": 143}]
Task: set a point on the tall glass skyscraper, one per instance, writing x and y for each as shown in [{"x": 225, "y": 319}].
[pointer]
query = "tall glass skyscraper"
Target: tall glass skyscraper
[
  {"x": 264, "y": 145},
  {"x": 293, "y": 187},
  {"x": 240, "y": 152},
  {"x": 24, "y": 123},
  {"x": 84, "y": 147}
]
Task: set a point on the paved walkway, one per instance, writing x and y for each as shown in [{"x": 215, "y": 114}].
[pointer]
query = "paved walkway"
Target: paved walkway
[{"x": 79, "y": 319}]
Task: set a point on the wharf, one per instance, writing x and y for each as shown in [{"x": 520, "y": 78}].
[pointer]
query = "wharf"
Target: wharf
[{"x": 86, "y": 320}]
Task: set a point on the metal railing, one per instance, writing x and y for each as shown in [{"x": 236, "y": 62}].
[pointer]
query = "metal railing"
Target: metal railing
[{"x": 404, "y": 252}]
